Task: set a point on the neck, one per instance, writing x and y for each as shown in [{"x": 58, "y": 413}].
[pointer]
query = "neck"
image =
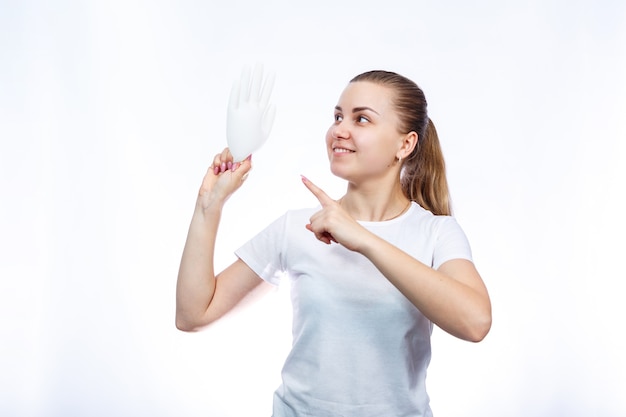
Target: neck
[{"x": 375, "y": 203}]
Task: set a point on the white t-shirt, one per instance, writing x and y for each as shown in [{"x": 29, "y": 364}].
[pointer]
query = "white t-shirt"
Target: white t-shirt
[{"x": 360, "y": 348}]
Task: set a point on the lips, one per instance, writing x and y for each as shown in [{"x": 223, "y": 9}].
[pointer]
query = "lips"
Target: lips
[{"x": 342, "y": 150}]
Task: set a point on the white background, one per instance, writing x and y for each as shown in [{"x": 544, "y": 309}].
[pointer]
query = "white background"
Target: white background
[{"x": 110, "y": 112}]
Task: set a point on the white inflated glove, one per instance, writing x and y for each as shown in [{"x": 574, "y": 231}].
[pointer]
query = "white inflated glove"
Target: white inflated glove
[{"x": 250, "y": 114}]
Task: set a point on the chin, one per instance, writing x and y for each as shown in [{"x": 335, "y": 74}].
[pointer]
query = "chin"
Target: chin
[{"x": 339, "y": 172}]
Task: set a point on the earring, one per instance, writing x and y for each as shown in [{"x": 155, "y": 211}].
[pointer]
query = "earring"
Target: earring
[{"x": 399, "y": 159}]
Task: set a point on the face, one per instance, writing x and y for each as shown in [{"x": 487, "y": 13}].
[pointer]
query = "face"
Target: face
[{"x": 364, "y": 140}]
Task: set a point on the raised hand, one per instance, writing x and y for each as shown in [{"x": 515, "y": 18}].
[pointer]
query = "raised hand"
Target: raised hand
[
  {"x": 250, "y": 114},
  {"x": 332, "y": 223},
  {"x": 223, "y": 178}
]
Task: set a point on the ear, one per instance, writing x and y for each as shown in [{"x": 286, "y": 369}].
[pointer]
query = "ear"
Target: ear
[{"x": 409, "y": 142}]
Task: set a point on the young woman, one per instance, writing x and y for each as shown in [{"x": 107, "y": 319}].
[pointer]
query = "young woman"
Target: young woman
[{"x": 370, "y": 273}]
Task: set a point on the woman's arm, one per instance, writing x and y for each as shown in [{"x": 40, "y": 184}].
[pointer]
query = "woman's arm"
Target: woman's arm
[
  {"x": 453, "y": 297},
  {"x": 201, "y": 296}
]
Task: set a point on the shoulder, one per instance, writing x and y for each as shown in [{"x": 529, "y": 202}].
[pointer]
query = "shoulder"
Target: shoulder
[
  {"x": 432, "y": 226},
  {"x": 300, "y": 215},
  {"x": 418, "y": 214},
  {"x": 305, "y": 212},
  {"x": 292, "y": 218}
]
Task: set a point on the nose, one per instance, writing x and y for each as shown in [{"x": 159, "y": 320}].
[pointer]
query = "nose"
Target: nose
[{"x": 339, "y": 131}]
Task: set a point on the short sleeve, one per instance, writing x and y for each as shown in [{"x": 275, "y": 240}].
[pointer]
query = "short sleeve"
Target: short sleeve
[
  {"x": 451, "y": 242},
  {"x": 264, "y": 252}
]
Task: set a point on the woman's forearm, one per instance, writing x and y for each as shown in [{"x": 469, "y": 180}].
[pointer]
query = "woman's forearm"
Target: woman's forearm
[
  {"x": 195, "y": 287},
  {"x": 196, "y": 276},
  {"x": 453, "y": 297}
]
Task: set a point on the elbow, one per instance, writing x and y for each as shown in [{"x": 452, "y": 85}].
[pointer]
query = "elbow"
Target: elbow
[
  {"x": 189, "y": 323},
  {"x": 479, "y": 334},
  {"x": 479, "y": 329},
  {"x": 185, "y": 324},
  {"x": 471, "y": 329}
]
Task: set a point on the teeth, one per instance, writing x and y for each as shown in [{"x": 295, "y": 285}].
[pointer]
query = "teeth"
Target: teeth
[{"x": 342, "y": 150}]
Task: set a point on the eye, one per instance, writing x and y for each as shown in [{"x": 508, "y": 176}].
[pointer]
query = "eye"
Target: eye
[
  {"x": 362, "y": 119},
  {"x": 338, "y": 117}
]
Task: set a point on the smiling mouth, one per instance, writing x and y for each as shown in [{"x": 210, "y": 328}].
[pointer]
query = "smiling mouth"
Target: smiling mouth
[{"x": 342, "y": 150}]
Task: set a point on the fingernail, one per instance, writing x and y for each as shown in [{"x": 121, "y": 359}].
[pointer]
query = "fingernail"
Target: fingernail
[
  {"x": 304, "y": 179},
  {"x": 229, "y": 165},
  {"x": 216, "y": 170},
  {"x": 249, "y": 158},
  {"x": 235, "y": 166},
  {"x": 223, "y": 167}
]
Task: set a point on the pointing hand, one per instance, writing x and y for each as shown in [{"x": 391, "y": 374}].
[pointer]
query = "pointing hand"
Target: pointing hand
[{"x": 332, "y": 223}]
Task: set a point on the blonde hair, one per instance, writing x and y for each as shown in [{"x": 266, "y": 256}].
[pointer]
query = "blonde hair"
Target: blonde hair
[{"x": 423, "y": 172}]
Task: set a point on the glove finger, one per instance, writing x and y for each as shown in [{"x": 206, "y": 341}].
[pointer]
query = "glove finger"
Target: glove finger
[
  {"x": 244, "y": 85},
  {"x": 233, "y": 101},
  {"x": 255, "y": 87},
  {"x": 268, "y": 86},
  {"x": 268, "y": 120}
]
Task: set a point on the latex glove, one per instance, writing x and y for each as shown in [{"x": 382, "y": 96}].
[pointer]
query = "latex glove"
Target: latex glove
[{"x": 250, "y": 114}]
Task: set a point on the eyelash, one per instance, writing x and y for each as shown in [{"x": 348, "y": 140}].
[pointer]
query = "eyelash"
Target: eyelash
[{"x": 358, "y": 119}]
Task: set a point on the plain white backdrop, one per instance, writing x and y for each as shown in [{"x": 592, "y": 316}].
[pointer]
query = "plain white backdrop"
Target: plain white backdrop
[{"x": 110, "y": 113}]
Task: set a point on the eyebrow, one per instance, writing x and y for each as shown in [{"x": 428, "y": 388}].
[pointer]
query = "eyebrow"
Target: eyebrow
[{"x": 358, "y": 109}]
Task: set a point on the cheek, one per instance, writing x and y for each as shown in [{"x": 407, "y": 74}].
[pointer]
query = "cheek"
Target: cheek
[
  {"x": 378, "y": 152},
  {"x": 329, "y": 138},
  {"x": 329, "y": 134}
]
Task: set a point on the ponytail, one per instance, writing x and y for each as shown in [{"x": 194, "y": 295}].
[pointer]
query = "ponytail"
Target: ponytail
[{"x": 424, "y": 174}]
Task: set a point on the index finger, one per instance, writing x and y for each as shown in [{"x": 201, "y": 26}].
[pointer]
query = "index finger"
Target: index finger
[{"x": 323, "y": 198}]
